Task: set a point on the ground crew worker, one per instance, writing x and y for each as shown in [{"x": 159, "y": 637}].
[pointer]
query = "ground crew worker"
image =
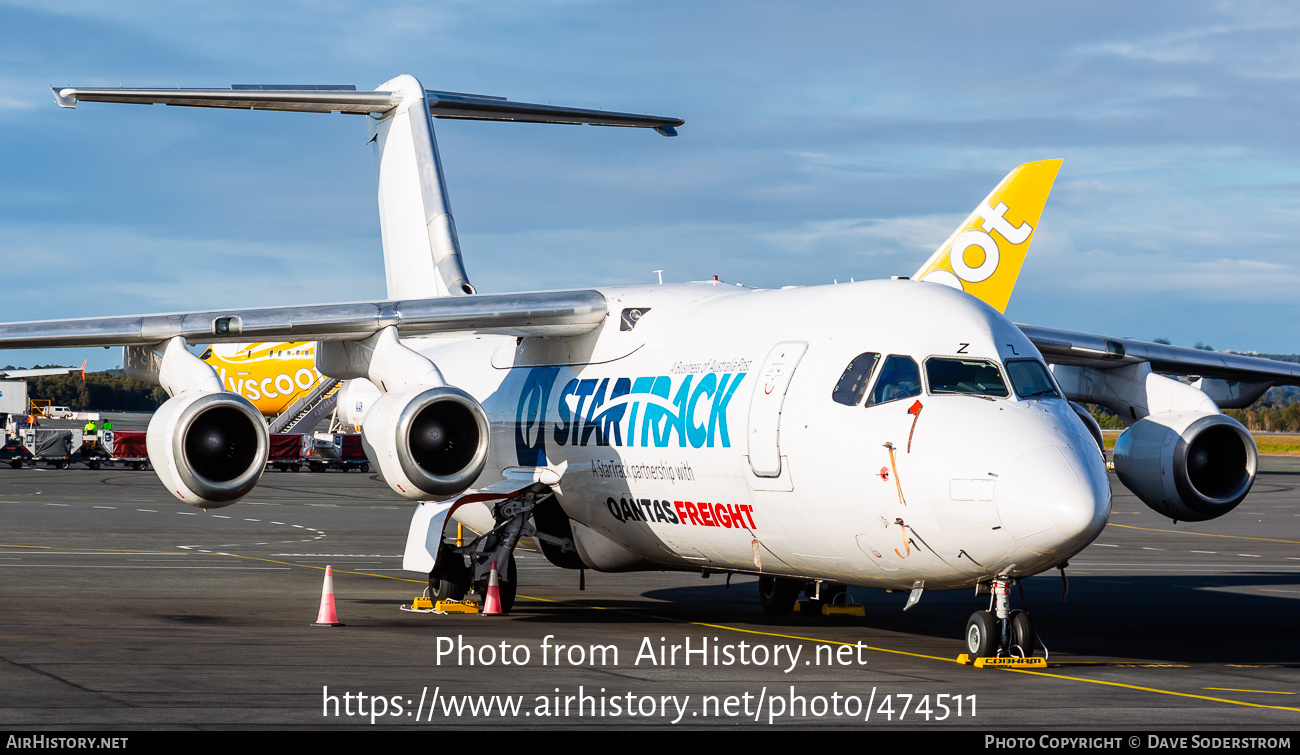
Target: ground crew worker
[
  {"x": 105, "y": 425},
  {"x": 89, "y": 429}
]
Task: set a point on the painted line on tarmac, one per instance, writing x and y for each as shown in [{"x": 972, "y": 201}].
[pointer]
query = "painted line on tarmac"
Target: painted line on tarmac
[
  {"x": 804, "y": 639},
  {"x": 738, "y": 629},
  {"x": 1151, "y": 689},
  {"x": 1206, "y": 534},
  {"x": 1256, "y": 691},
  {"x": 757, "y": 632},
  {"x": 89, "y": 551}
]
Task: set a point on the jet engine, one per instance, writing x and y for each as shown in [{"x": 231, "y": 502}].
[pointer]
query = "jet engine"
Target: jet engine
[
  {"x": 430, "y": 443},
  {"x": 1188, "y": 466},
  {"x": 208, "y": 447}
]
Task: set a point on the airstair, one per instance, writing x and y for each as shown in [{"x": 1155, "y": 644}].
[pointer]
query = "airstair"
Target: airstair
[{"x": 308, "y": 410}]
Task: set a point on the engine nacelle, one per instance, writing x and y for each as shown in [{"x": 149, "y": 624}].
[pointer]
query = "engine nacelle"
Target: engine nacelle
[
  {"x": 208, "y": 447},
  {"x": 1188, "y": 466},
  {"x": 430, "y": 443},
  {"x": 355, "y": 397}
]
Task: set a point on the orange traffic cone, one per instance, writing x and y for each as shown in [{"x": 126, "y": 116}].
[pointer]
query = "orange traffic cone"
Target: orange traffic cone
[
  {"x": 492, "y": 601},
  {"x": 327, "y": 616}
]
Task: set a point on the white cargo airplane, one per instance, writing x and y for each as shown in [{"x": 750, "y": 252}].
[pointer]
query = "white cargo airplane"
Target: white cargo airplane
[{"x": 897, "y": 434}]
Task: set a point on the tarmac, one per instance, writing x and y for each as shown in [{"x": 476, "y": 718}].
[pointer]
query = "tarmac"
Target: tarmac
[{"x": 125, "y": 609}]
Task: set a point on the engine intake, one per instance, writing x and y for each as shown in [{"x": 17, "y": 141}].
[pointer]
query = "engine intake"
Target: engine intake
[
  {"x": 209, "y": 448},
  {"x": 430, "y": 443},
  {"x": 1189, "y": 467}
]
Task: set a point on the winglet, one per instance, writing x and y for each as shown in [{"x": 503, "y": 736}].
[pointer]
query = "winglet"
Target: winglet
[{"x": 992, "y": 242}]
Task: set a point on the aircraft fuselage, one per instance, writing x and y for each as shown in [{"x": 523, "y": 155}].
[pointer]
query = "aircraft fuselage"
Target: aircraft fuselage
[{"x": 696, "y": 429}]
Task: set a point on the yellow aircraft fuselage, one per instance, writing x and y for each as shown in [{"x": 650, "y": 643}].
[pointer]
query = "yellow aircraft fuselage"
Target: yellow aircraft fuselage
[{"x": 271, "y": 375}]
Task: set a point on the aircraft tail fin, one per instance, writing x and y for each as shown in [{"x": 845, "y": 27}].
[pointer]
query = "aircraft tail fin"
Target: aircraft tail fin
[
  {"x": 984, "y": 255},
  {"x": 422, "y": 256}
]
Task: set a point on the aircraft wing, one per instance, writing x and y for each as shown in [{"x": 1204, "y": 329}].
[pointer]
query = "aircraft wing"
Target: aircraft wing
[
  {"x": 551, "y": 313},
  {"x": 1104, "y": 352}
]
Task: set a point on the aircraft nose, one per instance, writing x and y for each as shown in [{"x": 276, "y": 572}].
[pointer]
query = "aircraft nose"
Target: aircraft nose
[{"x": 1054, "y": 498}]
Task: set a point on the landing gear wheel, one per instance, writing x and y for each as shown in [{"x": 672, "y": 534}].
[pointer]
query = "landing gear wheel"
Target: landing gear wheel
[
  {"x": 982, "y": 635},
  {"x": 451, "y": 580},
  {"x": 506, "y": 588},
  {"x": 1022, "y": 634},
  {"x": 778, "y": 595}
]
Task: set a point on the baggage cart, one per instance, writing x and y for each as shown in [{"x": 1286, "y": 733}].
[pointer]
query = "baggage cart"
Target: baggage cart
[
  {"x": 54, "y": 447},
  {"x": 288, "y": 450},
  {"x": 126, "y": 447},
  {"x": 336, "y": 451}
]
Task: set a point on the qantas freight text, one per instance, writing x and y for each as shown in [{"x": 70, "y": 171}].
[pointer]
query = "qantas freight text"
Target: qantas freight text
[{"x": 682, "y": 512}]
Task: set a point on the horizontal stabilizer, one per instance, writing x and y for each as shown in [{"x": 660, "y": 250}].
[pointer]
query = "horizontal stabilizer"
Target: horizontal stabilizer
[{"x": 346, "y": 99}]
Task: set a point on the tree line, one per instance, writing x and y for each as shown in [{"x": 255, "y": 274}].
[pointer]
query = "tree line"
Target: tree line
[
  {"x": 1277, "y": 411},
  {"x": 100, "y": 391}
]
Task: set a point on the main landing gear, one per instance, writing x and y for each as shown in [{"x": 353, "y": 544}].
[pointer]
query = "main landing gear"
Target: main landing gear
[
  {"x": 462, "y": 566},
  {"x": 999, "y": 631}
]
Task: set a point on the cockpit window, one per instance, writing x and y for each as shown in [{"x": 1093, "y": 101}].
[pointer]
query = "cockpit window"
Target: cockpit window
[
  {"x": 899, "y": 378},
  {"x": 1030, "y": 379},
  {"x": 974, "y": 376},
  {"x": 852, "y": 385}
]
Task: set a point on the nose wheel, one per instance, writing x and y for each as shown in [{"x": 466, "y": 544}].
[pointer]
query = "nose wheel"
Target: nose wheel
[{"x": 999, "y": 631}]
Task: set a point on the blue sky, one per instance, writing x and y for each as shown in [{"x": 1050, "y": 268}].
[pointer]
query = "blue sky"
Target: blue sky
[{"x": 830, "y": 141}]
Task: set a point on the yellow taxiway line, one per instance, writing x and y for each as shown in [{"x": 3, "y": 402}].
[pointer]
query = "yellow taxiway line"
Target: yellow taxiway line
[
  {"x": 1204, "y": 534},
  {"x": 724, "y": 627}
]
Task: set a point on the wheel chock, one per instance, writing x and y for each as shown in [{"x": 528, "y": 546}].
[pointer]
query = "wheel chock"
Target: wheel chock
[
  {"x": 427, "y": 605},
  {"x": 457, "y": 606},
  {"x": 1033, "y": 662},
  {"x": 830, "y": 609},
  {"x": 843, "y": 609},
  {"x": 963, "y": 659}
]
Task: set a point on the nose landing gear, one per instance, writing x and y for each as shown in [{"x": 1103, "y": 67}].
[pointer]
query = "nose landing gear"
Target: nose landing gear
[{"x": 999, "y": 631}]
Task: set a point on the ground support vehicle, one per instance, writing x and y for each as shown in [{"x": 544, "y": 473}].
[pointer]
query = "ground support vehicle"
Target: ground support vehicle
[
  {"x": 288, "y": 450},
  {"x": 126, "y": 447},
  {"x": 93, "y": 452},
  {"x": 336, "y": 451},
  {"x": 14, "y": 453},
  {"x": 54, "y": 447}
]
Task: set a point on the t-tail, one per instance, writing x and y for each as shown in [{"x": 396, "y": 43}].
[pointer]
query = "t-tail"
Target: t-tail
[
  {"x": 422, "y": 256},
  {"x": 984, "y": 255}
]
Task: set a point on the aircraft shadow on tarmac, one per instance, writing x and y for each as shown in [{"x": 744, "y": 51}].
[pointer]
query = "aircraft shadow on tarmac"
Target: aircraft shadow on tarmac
[{"x": 1148, "y": 619}]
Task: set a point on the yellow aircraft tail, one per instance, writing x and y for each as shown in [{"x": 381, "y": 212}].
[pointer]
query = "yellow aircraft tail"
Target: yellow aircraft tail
[{"x": 984, "y": 255}]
